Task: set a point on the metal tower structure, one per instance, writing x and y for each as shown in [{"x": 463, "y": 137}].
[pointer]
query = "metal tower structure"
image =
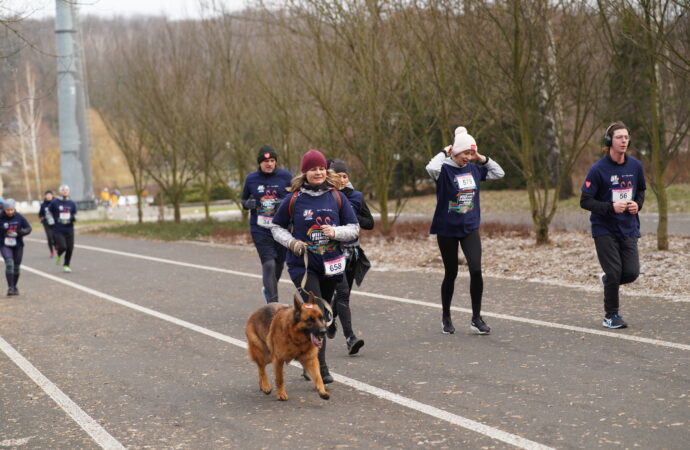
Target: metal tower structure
[{"x": 75, "y": 150}]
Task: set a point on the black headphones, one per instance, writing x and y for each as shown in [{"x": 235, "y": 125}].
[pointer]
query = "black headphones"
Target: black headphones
[{"x": 608, "y": 139}]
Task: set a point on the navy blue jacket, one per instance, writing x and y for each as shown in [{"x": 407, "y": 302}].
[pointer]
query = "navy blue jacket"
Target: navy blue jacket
[
  {"x": 43, "y": 211},
  {"x": 64, "y": 212},
  {"x": 606, "y": 182},
  {"x": 268, "y": 190},
  {"x": 457, "y": 200},
  {"x": 308, "y": 214},
  {"x": 15, "y": 224}
]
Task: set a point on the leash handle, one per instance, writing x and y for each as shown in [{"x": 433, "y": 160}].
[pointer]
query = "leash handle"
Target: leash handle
[{"x": 326, "y": 303}]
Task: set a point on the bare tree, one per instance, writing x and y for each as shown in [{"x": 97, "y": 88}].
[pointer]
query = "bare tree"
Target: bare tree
[{"x": 657, "y": 41}]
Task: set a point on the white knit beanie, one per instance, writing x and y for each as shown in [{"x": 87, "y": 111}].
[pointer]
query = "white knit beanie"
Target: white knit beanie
[{"x": 463, "y": 141}]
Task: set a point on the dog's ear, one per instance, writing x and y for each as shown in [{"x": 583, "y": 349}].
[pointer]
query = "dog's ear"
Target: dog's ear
[
  {"x": 312, "y": 297},
  {"x": 298, "y": 308}
]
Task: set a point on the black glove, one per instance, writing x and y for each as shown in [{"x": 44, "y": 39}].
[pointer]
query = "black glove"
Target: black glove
[{"x": 249, "y": 203}]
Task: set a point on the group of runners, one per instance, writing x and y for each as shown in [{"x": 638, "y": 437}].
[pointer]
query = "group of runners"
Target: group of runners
[
  {"x": 312, "y": 222},
  {"x": 57, "y": 216}
]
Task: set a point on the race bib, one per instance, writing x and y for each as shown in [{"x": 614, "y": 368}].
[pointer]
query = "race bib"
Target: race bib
[
  {"x": 10, "y": 242},
  {"x": 465, "y": 181},
  {"x": 334, "y": 266},
  {"x": 622, "y": 195},
  {"x": 264, "y": 221},
  {"x": 65, "y": 217}
]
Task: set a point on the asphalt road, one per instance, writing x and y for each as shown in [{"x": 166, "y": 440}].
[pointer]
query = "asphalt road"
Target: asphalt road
[{"x": 142, "y": 346}]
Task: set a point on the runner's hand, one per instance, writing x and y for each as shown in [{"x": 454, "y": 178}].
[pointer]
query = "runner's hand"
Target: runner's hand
[
  {"x": 328, "y": 231},
  {"x": 250, "y": 203},
  {"x": 297, "y": 247},
  {"x": 633, "y": 207},
  {"x": 620, "y": 207}
]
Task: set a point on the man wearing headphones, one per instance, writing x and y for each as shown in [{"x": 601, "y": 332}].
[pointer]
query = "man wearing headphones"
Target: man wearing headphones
[{"x": 614, "y": 193}]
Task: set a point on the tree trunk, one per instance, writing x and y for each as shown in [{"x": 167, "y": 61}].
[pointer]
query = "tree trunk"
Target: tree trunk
[
  {"x": 382, "y": 193},
  {"x": 207, "y": 210},
  {"x": 662, "y": 226}
]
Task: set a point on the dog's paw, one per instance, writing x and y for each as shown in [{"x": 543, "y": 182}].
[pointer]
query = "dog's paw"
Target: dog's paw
[
  {"x": 325, "y": 395},
  {"x": 282, "y": 397},
  {"x": 267, "y": 391}
]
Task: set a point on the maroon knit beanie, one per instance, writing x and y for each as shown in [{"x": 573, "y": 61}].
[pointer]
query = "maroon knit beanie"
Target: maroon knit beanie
[{"x": 311, "y": 159}]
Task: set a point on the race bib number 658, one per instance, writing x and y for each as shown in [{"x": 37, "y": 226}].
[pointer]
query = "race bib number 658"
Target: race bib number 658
[{"x": 334, "y": 266}]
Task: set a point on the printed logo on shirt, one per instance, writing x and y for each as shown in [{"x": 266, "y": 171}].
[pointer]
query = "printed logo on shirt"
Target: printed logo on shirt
[
  {"x": 614, "y": 179},
  {"x": 261, "y": 188},
  {"x": 308, "y": 214},
  {"x": 464, "y": 202},
  {"x": 7, "y": 225}
]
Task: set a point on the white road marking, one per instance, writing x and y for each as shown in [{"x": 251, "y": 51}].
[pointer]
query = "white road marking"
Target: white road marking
[
  {"x": 454, "y": 419},
  {"x": 617, "y": 335},
  {"x": 93, "y": 428}
]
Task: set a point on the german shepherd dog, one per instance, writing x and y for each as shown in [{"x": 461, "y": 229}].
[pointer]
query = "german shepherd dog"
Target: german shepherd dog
[{"x": 278, "y": 333}]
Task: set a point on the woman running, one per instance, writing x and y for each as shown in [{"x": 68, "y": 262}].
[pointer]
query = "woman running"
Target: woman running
[
  {"x": 13, "y": 227},
  {"x": 354, "y": 255},
  {"x": 456, "y": 219},
  {"x": 64, "y": 211},
  {"x": 47, "y": 221},
  {"x": 312, "y": 222}
]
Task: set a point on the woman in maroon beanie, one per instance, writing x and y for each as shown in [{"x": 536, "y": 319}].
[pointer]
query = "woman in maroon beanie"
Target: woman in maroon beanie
[{"x": 315, "y": 219}]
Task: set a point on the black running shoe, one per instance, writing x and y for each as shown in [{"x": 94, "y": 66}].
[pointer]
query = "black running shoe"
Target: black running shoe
[
  {"x": 354, "y": 344},
  {"x": 448, "y": 327},
  {"x": 479, "y": 325},
  {"x": 613, "y": 320},
  {"x": 326, "y": 375},
  {"x": 331, "y": 330},
  {"x": 12, "y": 291}
]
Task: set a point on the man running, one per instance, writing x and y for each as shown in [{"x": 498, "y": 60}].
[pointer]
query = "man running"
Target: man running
[
  {"x": 263, "y": 192},
  {"x": 614, "y": 193}
]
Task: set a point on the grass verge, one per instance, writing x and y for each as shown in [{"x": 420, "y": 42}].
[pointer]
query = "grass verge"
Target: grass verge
[{"x": 171, "y": 231}]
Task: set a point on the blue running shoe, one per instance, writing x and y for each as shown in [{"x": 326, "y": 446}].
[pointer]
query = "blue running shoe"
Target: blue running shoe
[{"x": 613, "y": 320}]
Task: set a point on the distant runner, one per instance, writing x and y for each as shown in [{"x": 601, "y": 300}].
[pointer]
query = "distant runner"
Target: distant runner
[
  {"x": 64, "y": 211},
  {"x": 13, "y": 228},
  {"x": 47, "y": 221},
  {"x": 263, "y": 192}
]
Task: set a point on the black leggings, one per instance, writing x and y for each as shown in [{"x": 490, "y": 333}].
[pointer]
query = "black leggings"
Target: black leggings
[
  {"x": 13, "y": 259},
  {"x": 322, "y": 287},
  {"x": 64, "y": 242},
  {"x": 49, "y": 236},
  {"x": 341, "y": 302},
  {"x": 271, "y": 271},
  {"x": 472, "y": 249}
]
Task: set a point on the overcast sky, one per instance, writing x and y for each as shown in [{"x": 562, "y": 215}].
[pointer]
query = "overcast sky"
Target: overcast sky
[{"x": 174, "y": 9}]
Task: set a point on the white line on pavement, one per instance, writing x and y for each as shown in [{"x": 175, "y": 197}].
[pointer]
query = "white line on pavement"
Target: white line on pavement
[
  {"x": 97, "y": 432},
  {"x": 542, "y": 323},
  {"x": 463, "y": 422}
]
